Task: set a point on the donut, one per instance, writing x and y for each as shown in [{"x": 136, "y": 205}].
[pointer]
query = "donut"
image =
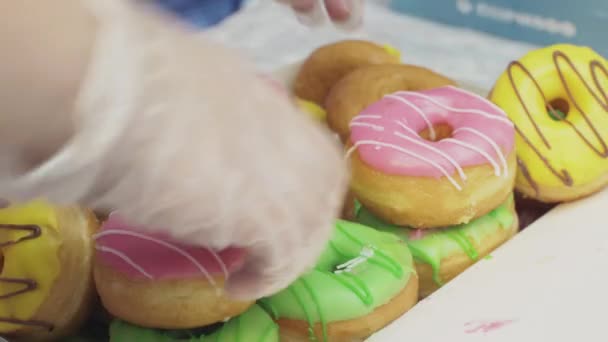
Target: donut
[
  {"x": 253, "y": 325},
  {"x": 46, "y": 283},
  {"x": 327, "y": 64},
  {"x": 442, "y": 254},
  {"x": 368, "y": 84},
  {"x": 148, "y": 280},
  {"x": 415, "y": 154},
  {"x": 557, "y": 97},
  {"x": 364, "y": 280}
]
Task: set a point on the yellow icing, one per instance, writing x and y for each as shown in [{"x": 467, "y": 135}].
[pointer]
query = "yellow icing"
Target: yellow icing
[
  {"x": 568, "y": 151},
  {"x": 314, "y": 110},
  {"x": 35, "y": 259},
  {"x": 393, "y": 51}
]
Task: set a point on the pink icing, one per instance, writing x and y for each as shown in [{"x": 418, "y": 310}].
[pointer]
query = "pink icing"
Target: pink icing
[
  {"x": 154, "y": 256},
  {"x": 386, "y": 134}
]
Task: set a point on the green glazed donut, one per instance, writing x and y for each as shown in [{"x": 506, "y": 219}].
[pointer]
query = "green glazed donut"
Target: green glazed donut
[
  {"x": 360, "y": 271},
  {"x": 252, "y": 326},
  {"x": 449, "y": 250}
]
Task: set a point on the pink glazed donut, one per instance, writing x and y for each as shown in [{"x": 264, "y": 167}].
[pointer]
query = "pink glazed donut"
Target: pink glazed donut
[
  {"x": 148, "y": 280},
  {"x": 415, "y": 154}
]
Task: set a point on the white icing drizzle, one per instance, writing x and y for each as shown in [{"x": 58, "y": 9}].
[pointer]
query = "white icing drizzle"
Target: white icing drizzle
[
  {"x": 406, "y": 127},
  {"x": 220, "y": 262},
  {"x": 501, "y": 155},
  {"x": 429, "y": 125},
  {"x": 364, "y": 124},
  {"x": 366, "y": 116},
  {"x": 459, "y": 110},
  {"x": 164, "y": 244},
  {"x": 125, "y": 258},
  {"x": 349, "y": 266},
  {"x": 481, "y": 98},
  {"x": 434, "y": 149},
  {"x": 402, "y": 150},
  {"x": 478, "y": 150}
]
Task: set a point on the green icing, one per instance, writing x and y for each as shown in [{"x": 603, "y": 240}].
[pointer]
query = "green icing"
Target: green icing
[
  {"x": 442, "y": 243},
  {"x": 252, "y": 326},
  {"x": 324, "y": 295}
]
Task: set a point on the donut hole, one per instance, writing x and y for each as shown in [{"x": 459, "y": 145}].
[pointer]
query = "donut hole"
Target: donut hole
[
  {"x": 442, "y": 131},
  {"x": 558, "y": 109}
]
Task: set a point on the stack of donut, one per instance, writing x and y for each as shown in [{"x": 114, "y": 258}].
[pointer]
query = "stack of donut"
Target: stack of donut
[
  {"x": 160, "y": 290},
  {"x": 431, "y": 162},
  {"x": 436, "y": 174}
]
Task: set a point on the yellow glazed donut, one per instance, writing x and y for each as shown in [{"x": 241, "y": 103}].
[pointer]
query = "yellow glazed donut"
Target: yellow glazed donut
[
  {"x": 46, "y": 283},
  {"x": 329, "y": 63},
  {"x": 558, "y": 99}
]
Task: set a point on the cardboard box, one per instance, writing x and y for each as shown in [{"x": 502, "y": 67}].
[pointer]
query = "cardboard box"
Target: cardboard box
[
  {"x": 548, "y": 283},
  {"x": 541, "y": 22}
]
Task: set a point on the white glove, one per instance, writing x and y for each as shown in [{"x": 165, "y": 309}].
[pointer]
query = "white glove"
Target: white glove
[
  {"x": 179, "y": 135},
  {"x": 344, "y": 13}
]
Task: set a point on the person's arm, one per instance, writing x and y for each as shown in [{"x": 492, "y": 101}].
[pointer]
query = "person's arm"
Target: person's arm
[
  {"x": 116, "y": 107},
  {"x": 45, "y": 51},
  {"x": 345, "y": 13}
]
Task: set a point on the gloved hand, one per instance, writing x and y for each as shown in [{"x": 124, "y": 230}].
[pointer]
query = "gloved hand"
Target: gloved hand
[
  {"x": 345, "y": 13},
  {"x": 175, "y": 133}
]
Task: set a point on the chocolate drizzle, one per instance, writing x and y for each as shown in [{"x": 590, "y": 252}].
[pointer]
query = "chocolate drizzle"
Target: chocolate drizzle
[
  {"x": 596, "y": 65},
  {"x": 32, "y": 229},
  {"x": 526, "y": 173},
  {"x": 596, "y": 68},
  {"x": 30, "y": 323},
  {"x": 27, "y": 284}
]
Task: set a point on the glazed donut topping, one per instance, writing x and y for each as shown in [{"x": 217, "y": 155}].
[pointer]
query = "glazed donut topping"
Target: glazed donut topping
[
  {"x": 431, "y": 246},
  {"x": 154, "y": 256},
  {"x": 18, "y": 286},
  {"x": 388, "y": 134},
  {"x": 253, "y": 325}
]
